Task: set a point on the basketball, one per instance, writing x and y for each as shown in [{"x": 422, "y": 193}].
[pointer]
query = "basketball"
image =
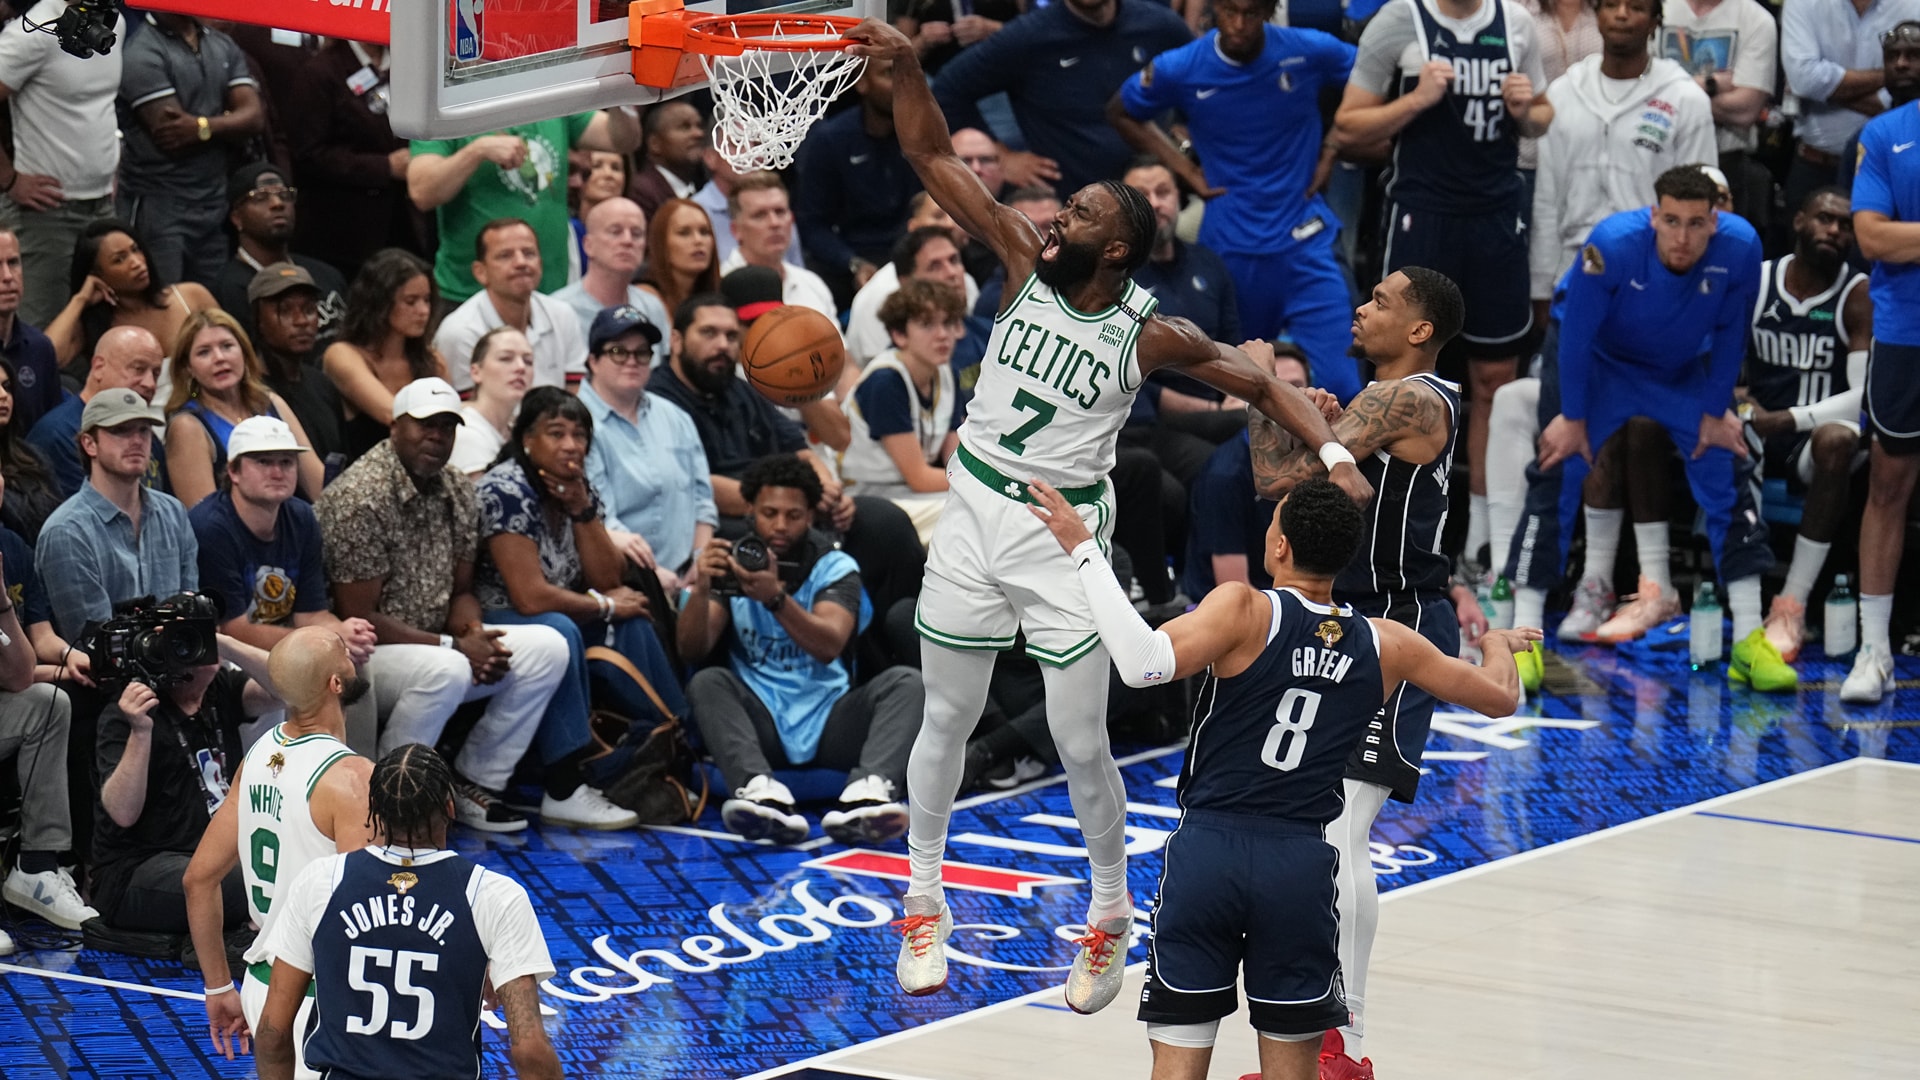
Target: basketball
[{"x": 793, "y": 355}]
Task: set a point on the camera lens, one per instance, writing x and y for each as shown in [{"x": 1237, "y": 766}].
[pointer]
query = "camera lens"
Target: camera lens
[{"x": 752, "y": 554}]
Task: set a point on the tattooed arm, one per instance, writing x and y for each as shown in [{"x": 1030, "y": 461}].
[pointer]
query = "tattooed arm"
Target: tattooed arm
[
  {"x": 531, "y": 1054},
  {"x": 1407, "y": 419}
]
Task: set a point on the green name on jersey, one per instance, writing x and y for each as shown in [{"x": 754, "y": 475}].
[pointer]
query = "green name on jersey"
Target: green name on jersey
[
  {"x": 1062, "y": 363},
  {"x": 264, "y": 799}
]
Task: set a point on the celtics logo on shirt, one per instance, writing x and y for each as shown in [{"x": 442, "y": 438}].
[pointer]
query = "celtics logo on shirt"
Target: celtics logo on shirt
[{"x": 536, "y": 173}]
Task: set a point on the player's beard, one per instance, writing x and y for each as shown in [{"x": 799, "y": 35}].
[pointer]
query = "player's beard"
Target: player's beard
[
  {"x": 355, "y": 689},
  {"x": 1073, "y": 265}
]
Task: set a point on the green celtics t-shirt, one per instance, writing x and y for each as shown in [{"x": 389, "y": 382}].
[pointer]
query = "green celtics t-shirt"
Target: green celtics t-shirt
[{"x": 536, "y": 192}]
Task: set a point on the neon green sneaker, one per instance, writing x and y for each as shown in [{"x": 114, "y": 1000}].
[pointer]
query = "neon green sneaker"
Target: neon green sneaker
[
  {"x": 1532, "y": 664},
  {"x": 1757, "y": 663}
]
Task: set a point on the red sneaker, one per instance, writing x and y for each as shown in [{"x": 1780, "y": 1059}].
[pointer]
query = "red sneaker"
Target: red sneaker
[{"x": 1336, "y": 1065}]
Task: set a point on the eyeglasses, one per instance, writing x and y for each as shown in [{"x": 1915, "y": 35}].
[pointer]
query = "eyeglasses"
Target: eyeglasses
[
  {"x": 620, "y": 354},
  {"x": 1907, "y": 32},
  {"x": 259, "y": 195}
]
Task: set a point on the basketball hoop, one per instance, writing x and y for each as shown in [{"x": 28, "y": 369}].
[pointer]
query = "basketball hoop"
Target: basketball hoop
[{"x": 758, "y": 123}]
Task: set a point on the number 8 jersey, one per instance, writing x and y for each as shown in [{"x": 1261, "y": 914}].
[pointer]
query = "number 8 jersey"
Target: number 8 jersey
[
  {"x": 1056, "y": 386},
  {"x": 1273, "y": 741}
]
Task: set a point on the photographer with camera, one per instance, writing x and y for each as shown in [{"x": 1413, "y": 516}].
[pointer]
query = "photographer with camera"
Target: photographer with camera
[
  {"x": 783, "y": 699},
  {"x": 167, "y": 750}
]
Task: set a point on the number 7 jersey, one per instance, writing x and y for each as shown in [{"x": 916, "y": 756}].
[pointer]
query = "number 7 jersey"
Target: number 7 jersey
[
  {"x": 1056, "y": 386},
  {"x": 1273, "y": 741}
]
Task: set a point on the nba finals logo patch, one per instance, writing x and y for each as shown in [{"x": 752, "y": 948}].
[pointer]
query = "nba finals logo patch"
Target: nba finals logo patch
[
  {"x": 403, "y": 881},
  {"x": 1591, "y": 261},
  {"x": 275, "y": 763},
  {"x": 1329, "y": 633}
]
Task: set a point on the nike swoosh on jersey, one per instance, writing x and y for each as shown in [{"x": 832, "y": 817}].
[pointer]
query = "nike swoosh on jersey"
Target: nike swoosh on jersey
[
  {"x": 1901, "y": 148},
  {"x": 1203, "y": 95},
  {"x": 1636, "y": 285},
  {"x": 1069, "y": 61},
  {"x": 859, "y": 159}
]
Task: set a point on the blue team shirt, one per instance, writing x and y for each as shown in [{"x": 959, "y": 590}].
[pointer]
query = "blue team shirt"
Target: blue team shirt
[
  {"x": 1632, "y": 313},
  {"x": 1256, "y": 125},
  {"x": 1888, "y": 182},
  {"x": 264, "y": 581}
]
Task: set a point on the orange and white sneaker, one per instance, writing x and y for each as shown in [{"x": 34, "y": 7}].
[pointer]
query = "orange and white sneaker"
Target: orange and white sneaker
[
  {"x": 922, "y": 967},
  {"x": 1787, "y": 626},
  {"x": 1336, "y": 1065},
  {"x": 1100, "y": 965},
  {"x": 1645, "y": 610}
]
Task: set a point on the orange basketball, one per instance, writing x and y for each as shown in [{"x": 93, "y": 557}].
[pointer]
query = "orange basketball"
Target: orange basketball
[{"x": 793, "y": 355}]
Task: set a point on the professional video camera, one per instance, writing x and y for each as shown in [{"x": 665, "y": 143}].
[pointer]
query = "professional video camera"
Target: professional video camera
[
  {"x": 158, "y": 644},
  {"x": 85, "y": 28}
]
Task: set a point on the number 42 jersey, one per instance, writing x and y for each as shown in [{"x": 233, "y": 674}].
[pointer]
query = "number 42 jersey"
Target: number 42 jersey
[
  {"x": 1056, "y": 385},
  {"x": 1273, "y": 741}
]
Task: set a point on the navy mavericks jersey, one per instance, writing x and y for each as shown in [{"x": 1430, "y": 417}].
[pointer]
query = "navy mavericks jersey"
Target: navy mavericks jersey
[
  {"x": 1273, "y": 741},
  {"x": 1401, "y": 555},
  {"x": 398, "y": 971},
  {"x": 1798, "y": 352},
  {"x": 1461, "y": 156}
]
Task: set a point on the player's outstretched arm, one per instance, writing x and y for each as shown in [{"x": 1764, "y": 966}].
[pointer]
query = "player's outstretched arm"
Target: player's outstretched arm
[
  {"x": 1393, "y": 415},
  {"x": 922, "y": 130},
  {"x": 1493, "y": 690},
  {"x": 532, "y": 1055},
  {"x": 1225, "y": 628},
  {"x": 213, "y": 860},
  {"x": 1177, "y": 343},
  {"x": 273, "y": 1043}
]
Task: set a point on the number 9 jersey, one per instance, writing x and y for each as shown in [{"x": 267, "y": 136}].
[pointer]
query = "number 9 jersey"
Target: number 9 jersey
[{"x": 1273, "y": 741}]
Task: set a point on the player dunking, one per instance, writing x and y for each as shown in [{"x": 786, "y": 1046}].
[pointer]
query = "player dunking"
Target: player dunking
[
  {"x": 1404, "y": 428},
  {"x": 1072, "y": 342},
  {"x": 299, "y": 796},
  {"x": 1249, "y": 877}
]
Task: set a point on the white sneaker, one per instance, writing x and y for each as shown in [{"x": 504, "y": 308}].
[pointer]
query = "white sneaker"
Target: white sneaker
[
  {"x": 868, "y": 814},
  {"x": 763, "y": 810},
  {"x": 1592, "y": 605},
  {"x": 49, "y": 894},
  {"x": 922, "y": 968},
  {"x": 1100, "y": 965},
  {"x": 6, "y": 944},
  {"x": 586, "y": 808},
  {"x": 1871, "y": 678}
]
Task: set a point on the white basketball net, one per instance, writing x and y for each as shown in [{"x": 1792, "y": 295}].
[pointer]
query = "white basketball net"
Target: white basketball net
[{"x": 757, "y": 122}]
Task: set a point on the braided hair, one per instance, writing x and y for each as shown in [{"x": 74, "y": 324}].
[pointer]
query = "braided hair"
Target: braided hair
[
  {"x": 408, "y": 795},
  {"x": 1137, "y": 222}
]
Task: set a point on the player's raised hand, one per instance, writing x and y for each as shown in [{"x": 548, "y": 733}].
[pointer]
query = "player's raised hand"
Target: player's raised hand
[
  {"x": 1058, "y": 515},
  {"x": 1435, "y": 77},
  {"x": 1347, "y": 476},
  {"x": 227, "y": 1024},
  {"x": 875, "y": 37}
]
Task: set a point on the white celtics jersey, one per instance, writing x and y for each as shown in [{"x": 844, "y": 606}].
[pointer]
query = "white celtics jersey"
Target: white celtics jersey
[
  {"x": 1056, "y": 386},
  {"x": 277, "y": 835}
]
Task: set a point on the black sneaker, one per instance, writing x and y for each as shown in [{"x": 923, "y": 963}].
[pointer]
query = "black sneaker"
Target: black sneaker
[{"x": 477, "y": 808}]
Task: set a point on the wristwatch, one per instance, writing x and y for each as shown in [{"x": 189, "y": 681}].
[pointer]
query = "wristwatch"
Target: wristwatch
[
  {"x": 206, "y": 129},
  {"x": 446, "y": 641},
  {"x": 775, "y": 602}
]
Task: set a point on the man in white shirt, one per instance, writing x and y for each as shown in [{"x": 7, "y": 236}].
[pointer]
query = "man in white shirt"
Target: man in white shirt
[
  {"x": 66, "y": 143},
  {"x": 714, "y": 197},
  {"x": 616, "y": 243},
  {"x": 507, "y": 267},
  {"x": 762, "y": 222},
  {"x": 1729, "y": 46}
]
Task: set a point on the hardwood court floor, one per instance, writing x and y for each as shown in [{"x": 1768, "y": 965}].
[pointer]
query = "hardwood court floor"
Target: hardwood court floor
[{"x": 1774, "y": 932}]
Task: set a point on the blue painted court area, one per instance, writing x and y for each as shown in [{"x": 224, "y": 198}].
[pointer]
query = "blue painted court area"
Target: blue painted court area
[{"x": 689, "y": 954}]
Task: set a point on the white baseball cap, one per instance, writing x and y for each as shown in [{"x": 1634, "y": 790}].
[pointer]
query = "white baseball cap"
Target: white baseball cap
[
  {"x": 262, "y": 435},
  {"x": 425, "y": 398}
]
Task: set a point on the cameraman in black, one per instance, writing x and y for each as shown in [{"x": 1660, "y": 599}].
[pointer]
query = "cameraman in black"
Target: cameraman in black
[
  {"x": 783, "y": 699},
  {"x": 167, "y": 748}
]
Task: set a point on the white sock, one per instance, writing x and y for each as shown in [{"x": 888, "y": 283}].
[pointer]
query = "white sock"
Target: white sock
[
  {"x": 1479, "y": 526},
  {"x": 1529, "y": 607},
  {"x": 1876, "y": 614},
  {"x": 1809, "y": 556},
  {"x": 1603, "y": 544},
  {"x": 1743, "y": 602},
  {"x": 1656, "y": 554}
]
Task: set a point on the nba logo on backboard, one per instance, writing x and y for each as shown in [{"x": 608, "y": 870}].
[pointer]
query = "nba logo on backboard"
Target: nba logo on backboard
[{"x": 469, "y": 17}]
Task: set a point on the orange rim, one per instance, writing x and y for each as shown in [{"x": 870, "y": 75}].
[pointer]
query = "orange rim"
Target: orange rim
[{"x": 731, "y": 35}]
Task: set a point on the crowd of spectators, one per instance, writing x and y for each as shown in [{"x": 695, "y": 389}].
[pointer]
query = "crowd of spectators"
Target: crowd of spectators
[{"x": 475, "y": 404}]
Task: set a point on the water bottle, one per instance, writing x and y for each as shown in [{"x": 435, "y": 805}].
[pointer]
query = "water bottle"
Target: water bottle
[
  {"x": 1501, "y": 617},
  {"x": 1842, "y": 624},
  {"x": 1704, "y": 627}
]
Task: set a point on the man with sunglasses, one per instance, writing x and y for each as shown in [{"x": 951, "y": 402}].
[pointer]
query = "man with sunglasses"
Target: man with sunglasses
[
  {"x": 261, "y": 210},
  {"x": 1886, "y": 223}
]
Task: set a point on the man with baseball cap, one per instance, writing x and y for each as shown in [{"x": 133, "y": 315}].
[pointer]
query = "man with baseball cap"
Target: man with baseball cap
[
  {"x": 400, "y": 529},
  {"x": 646, "y": 460},
  {"x": 261, "y": 209},
  {"x": 261, "y": 558},
  {"x": 285, "y": 303}
]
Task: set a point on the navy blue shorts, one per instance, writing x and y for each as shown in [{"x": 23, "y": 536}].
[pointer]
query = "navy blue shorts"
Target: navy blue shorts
[
  {"x": 1893, "y": 396},
  {"x": 1484, "y": 254},
  {"x": 1253, "y": 896},
  {"x": 1389, "y": 754}
]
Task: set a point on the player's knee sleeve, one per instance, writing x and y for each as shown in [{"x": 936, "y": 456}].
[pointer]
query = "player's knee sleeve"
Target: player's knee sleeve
[
  {"x": 1277, "y": 1037},
  {"x": 1191, "y": 1036}
]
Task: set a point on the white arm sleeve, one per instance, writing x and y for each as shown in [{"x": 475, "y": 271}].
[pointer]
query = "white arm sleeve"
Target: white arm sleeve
[
  {"x": 1141, "y": 656},
  {"x": 1840, "y": 407}
]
